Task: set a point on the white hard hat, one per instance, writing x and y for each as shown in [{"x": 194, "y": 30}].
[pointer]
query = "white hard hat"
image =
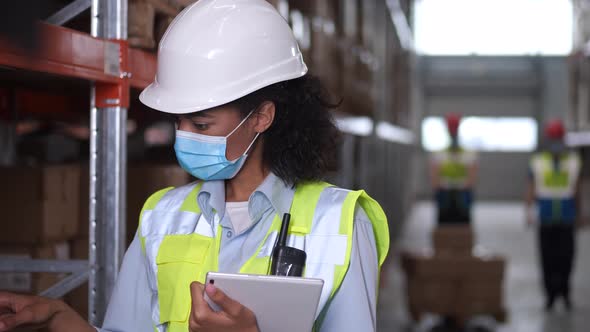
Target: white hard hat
[{"x": 217, "y": 51}]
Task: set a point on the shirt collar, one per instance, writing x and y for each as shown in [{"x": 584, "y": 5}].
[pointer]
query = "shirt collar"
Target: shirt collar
[
  {"x": 271, "y": 193},
  {"x": 211, "y": 199}
]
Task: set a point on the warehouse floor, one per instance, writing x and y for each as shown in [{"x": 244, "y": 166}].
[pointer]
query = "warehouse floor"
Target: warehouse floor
[{"x": 499, "y": 228}]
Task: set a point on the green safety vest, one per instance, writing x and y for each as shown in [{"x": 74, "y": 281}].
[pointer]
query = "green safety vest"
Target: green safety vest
[
  {"x": 454, "y": 168},
  {"x": 552, "y": 182},
  {"x": 181, "y": 246}
]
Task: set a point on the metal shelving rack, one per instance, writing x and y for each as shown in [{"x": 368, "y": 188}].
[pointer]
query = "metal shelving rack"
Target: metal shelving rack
[{"x": 103, "y": 58}]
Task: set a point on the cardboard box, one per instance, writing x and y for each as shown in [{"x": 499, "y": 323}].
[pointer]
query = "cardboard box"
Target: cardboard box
[
  {"x": 480, "y": 297},
  {"x": 32, "y": 283},
  {"x": 437, "y": 296},
  {"x": 141, "y": 16},
  {"x": 457, "y": 285},
  {"x": 454, "y": 239},
  {"x": 454, "y": 297},
  {"x": 39, "y": 204},
  {"x": 142, "y": 181},
  {"x": 445, "y": 266}
]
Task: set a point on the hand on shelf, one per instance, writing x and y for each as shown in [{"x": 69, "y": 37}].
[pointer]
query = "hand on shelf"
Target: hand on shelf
[{"x": 35, "y": 311}]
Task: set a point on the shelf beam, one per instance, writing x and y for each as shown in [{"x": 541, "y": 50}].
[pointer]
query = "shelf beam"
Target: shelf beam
[
  {"x": 69, "y": 53},
  {"x": 9, "y": 264},
  {"x": 62, "y": 52}
]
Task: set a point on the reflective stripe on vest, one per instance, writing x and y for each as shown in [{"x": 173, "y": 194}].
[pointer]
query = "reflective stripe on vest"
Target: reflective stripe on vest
[
  {"x": 181, "y": 246},
  {"x": 555, "y": 183}
]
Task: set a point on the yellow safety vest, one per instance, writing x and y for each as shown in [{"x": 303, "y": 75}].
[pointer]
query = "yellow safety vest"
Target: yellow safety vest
[
  {"x": 181, "y": 246},
  {"x": 454, "y": 167},
  {"x": 555, "y": 183}
]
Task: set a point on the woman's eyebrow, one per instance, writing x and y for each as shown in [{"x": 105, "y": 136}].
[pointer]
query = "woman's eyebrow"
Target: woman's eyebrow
[{"x": 202, "y": 114}]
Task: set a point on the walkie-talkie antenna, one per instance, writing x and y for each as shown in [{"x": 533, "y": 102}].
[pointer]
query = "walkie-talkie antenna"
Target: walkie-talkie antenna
[{"x": 284, "y": 230}]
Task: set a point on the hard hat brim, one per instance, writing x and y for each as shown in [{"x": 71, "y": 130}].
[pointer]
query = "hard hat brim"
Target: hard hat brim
[{"x": 157, "y": 97}]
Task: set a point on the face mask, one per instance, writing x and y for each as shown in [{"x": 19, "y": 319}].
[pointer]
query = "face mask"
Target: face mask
[{"x": 203, "y": 156}]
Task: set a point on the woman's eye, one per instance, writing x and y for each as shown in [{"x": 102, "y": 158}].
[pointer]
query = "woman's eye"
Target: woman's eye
[{"x": 201, "y": 126}]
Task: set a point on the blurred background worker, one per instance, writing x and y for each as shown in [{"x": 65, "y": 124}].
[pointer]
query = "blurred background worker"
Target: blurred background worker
[
  {"x": 555, "y": 188},
  {"x": 453, "y": 175}
]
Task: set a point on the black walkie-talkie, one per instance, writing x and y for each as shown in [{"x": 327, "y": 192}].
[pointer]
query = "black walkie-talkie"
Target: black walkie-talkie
[{"x": 286, "y": 261}]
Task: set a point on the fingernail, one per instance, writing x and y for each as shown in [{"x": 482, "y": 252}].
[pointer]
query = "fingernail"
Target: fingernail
[{"x": 211, "y": 289}]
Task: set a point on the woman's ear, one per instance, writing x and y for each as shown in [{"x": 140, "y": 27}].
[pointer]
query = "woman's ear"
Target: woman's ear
[{"x": 264, "y": 116}]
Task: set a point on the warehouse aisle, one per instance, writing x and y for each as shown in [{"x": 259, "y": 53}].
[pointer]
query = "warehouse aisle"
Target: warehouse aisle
[{"x": 500, "y": 228}]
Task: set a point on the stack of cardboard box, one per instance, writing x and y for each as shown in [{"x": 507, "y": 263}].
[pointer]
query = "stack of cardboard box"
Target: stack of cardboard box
[
  {"x": 142, "y": 181},
  {"x": 40, "y": 211},
  {"x": 451, "y": 281}
]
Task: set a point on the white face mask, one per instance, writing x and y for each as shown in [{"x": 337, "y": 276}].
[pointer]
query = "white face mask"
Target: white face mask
[{"x": 203, "y": 156}]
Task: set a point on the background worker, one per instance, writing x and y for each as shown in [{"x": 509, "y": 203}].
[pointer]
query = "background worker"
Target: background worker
[
  {"x": 453, "y": 175},
  {"x": 553, "y": 199}
]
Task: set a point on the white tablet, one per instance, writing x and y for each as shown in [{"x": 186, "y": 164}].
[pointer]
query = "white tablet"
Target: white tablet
[{"x": 286, "y": 304}]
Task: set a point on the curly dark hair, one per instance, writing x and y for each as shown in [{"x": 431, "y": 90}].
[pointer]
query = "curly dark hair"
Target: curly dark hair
[{"x": 302, "y": 143}]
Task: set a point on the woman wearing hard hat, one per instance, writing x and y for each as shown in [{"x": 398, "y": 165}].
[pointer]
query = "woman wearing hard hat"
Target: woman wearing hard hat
[{"x": 258, "y": 134}]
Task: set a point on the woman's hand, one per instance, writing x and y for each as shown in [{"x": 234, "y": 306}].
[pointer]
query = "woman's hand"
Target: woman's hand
[
  {"x": 232, "y": 317},
  {"x": 35, "y": 311}
]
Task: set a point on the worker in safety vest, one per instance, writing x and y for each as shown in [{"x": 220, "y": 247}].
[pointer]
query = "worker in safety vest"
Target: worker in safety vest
[
  {"x": 553, "y": 201},
  {"x": 453, "y": 175},
  {"x": 257, "y": 132}
]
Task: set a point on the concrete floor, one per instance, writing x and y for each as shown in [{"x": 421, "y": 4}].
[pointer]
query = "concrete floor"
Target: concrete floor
[{"x": 499, "y": 228}]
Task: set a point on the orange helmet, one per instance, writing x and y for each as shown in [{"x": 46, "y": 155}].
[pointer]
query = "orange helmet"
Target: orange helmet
[
  {"x": 554, "y": 129},
  {"x": 453, "y": 120}
]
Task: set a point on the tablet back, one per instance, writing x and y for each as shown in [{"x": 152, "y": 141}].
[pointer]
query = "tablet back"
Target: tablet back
[{"x": 286, "y": 304}]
